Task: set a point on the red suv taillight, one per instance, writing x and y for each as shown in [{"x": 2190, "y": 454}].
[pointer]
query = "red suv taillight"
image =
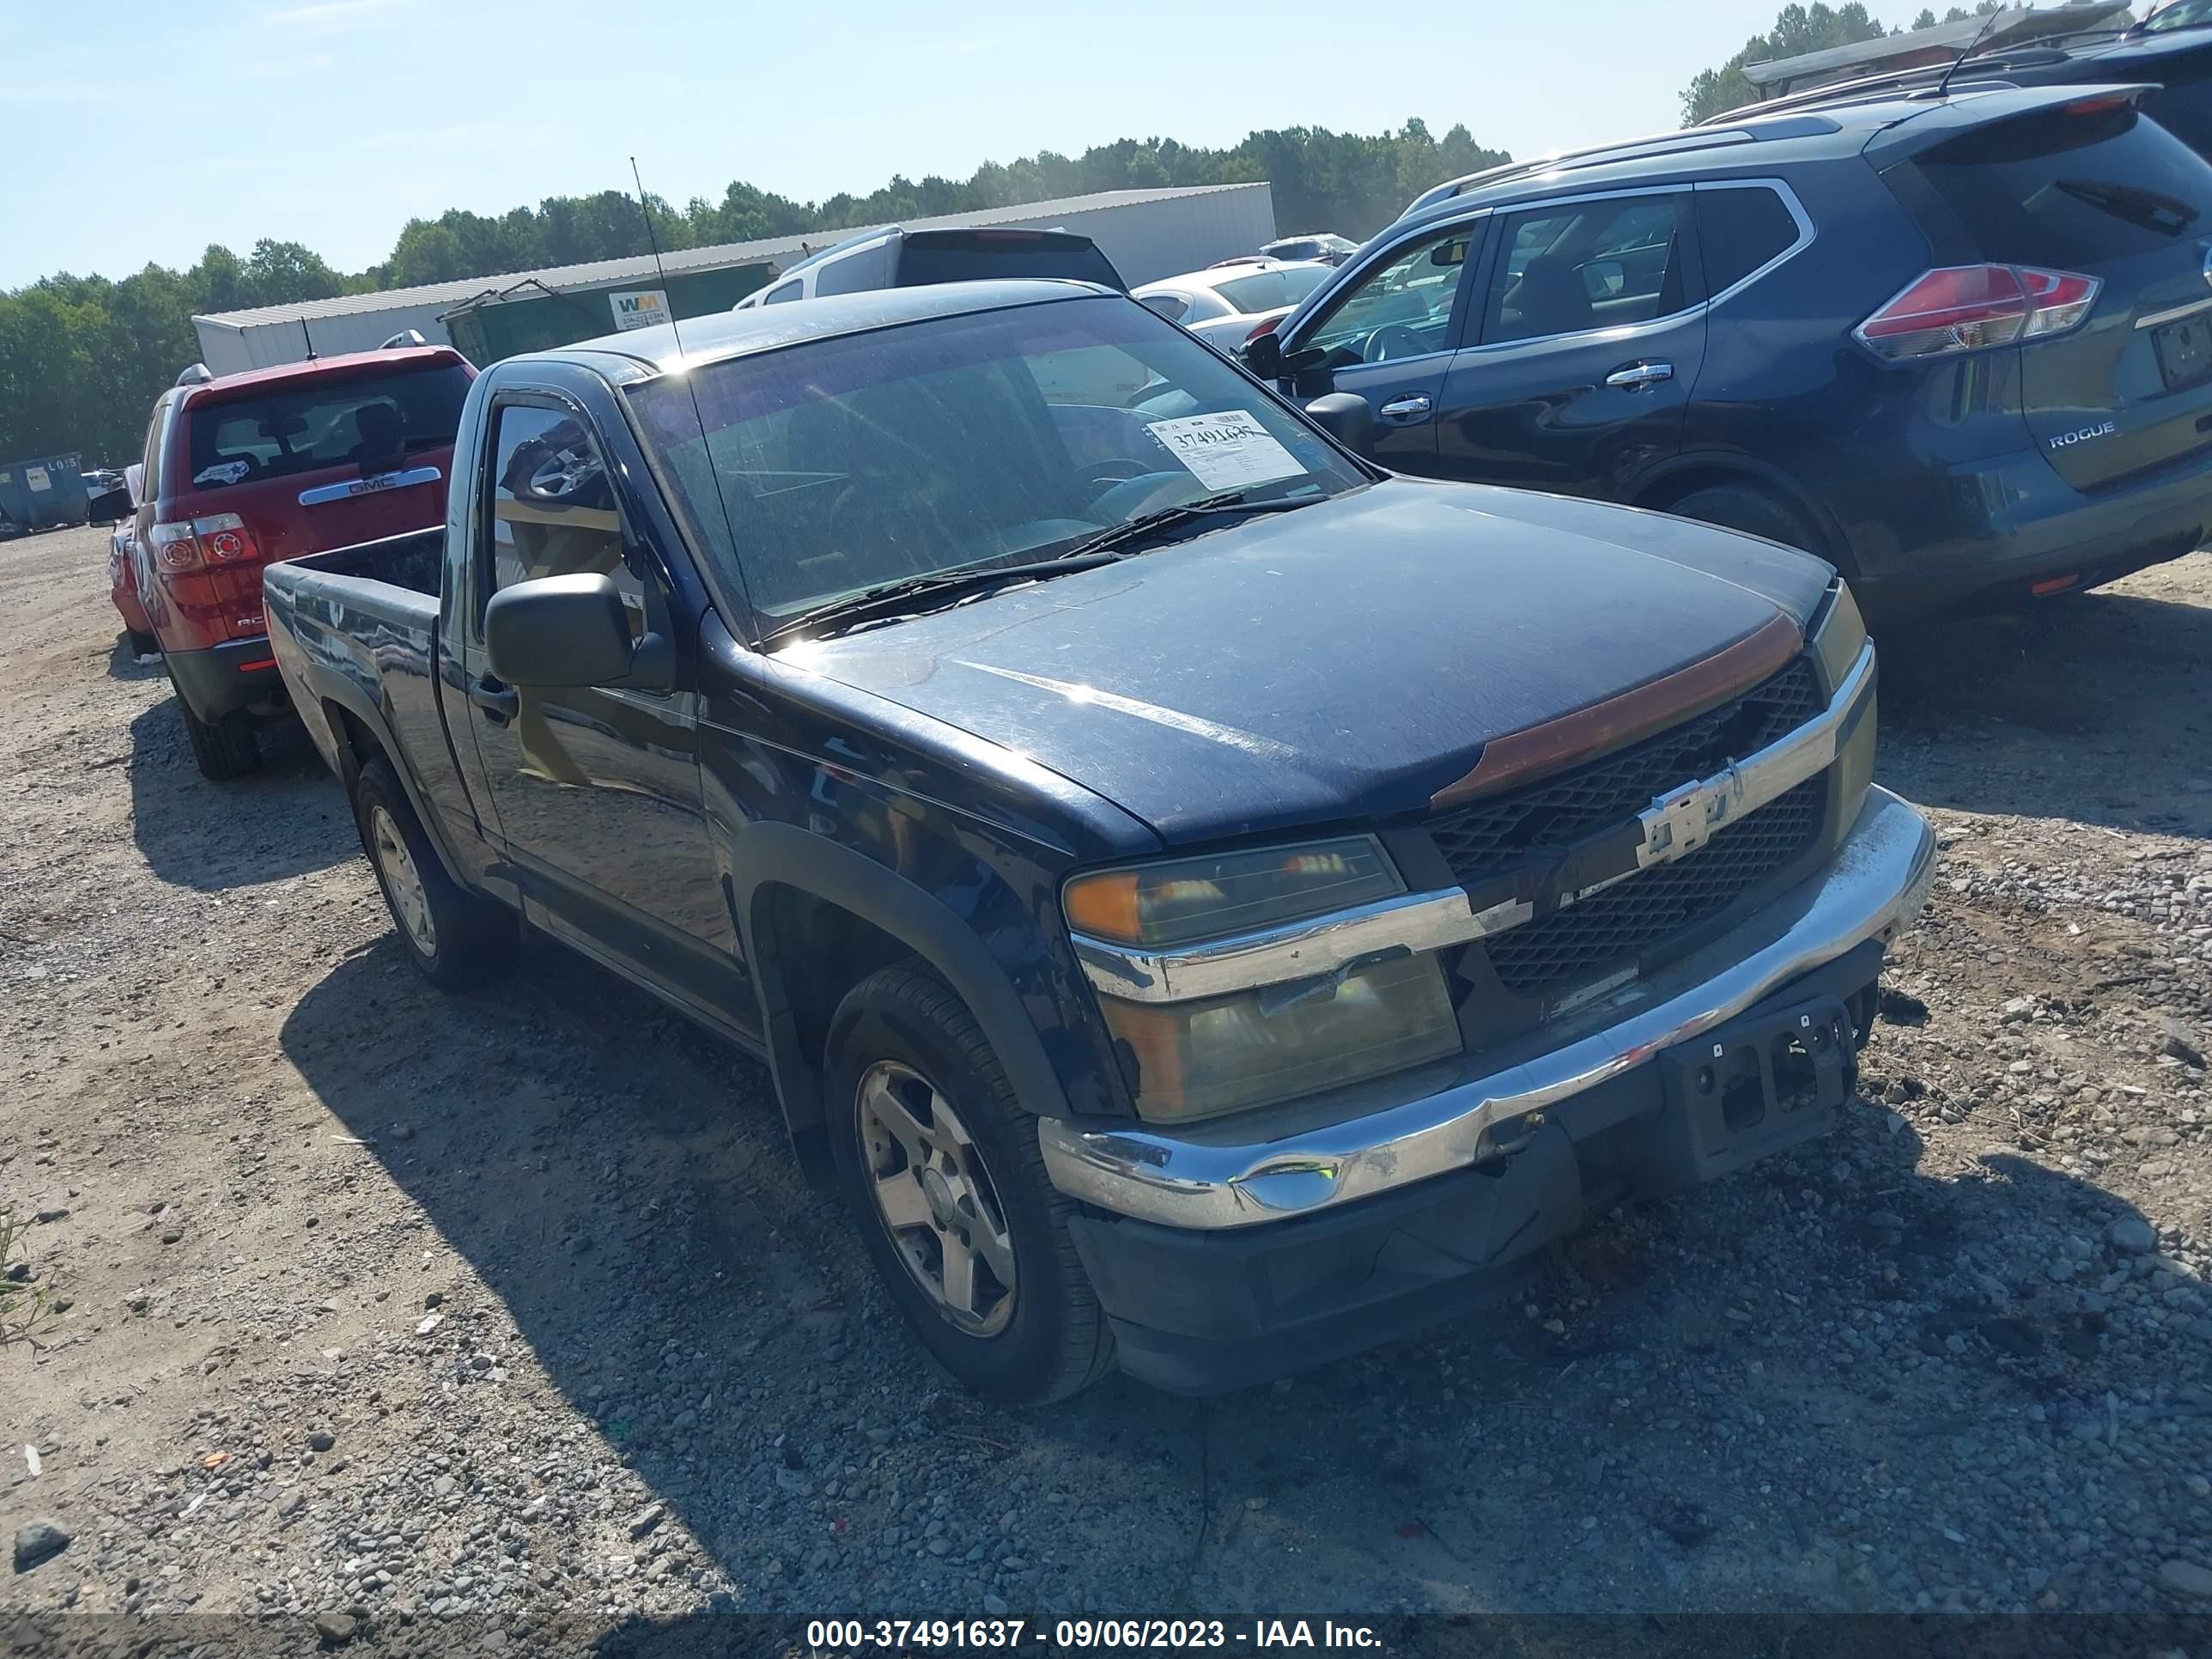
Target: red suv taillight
[
  {"x": 1968, "y": 307},
  {"x": 201, "y": 543}
]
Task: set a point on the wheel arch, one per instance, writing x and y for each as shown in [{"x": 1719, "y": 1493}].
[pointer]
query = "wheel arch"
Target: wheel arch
[
  {"x": 804, "y": 904},
  {"x": 1684, "y": 475}
]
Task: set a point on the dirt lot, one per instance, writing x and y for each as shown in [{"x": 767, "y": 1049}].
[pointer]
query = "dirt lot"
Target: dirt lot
[{"x": 510, "y": 1307}]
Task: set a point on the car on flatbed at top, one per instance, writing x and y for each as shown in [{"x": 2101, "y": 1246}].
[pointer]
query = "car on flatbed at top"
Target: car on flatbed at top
[
  {"x": 243, "y": 468},
  {"x": 1958, "y": 344},
  {"x": 1210, "y": 904}
]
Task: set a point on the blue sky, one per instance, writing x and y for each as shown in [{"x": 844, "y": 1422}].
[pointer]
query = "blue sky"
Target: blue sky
[{"x": 332, "y": 122}]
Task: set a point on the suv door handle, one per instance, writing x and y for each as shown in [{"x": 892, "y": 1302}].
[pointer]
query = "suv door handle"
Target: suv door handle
[
  {"x": 1410, "y": 408},
  {"x": 1636, "y": 375},
  {"x": 500, "y": 703}
]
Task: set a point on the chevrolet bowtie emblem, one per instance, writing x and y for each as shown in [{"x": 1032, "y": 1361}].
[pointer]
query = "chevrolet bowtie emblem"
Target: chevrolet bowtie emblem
[{"x": 1682, "y": 820}]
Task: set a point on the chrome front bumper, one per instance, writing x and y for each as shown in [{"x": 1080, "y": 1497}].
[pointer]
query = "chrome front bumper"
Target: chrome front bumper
[{"x": 1269, "y": 1166}]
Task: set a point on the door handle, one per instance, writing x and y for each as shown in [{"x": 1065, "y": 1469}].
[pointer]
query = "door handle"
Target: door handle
[
  {"x": 500, "y": 703},
  {"x": 1408, "y": 408},
  {"x": 1637, "y": 376}
]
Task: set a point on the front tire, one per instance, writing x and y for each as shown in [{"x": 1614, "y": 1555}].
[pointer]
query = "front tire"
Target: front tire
[
  {"x": 941, "y": 1167},
  {"x": 456, "y": 937}
]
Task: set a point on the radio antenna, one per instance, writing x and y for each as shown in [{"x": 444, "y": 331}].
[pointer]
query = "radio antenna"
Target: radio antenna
[
  {"x": 306, "y": 334},
  {"x": 1943, "y": 85},
  {"x": 690, "y": 382}
]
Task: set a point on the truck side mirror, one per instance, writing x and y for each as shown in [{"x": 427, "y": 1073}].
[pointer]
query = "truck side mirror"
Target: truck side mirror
[
  {"x": 1345, "y": 416},
  {"x": 559, "y": 630}
]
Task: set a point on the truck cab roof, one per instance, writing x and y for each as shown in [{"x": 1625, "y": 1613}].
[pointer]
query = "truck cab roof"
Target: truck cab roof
[{"x": 718, "y": 336}]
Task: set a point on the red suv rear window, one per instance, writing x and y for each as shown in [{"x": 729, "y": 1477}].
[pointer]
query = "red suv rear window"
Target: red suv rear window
[{"x": 367, "y": 421}]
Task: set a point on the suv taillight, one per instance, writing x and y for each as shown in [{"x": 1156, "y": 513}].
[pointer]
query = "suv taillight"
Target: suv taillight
[
  {"x": 1968, "y": 307},
  {"x": 201, "y": 543}
]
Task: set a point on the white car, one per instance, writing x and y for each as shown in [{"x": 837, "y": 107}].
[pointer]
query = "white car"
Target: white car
[{"x": 1227, "y": 304}]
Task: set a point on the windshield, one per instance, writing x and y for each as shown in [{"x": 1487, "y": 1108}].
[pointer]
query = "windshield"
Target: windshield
[
  {"x": 368, "y": 420},
  {"x": 994, "y": 438}
]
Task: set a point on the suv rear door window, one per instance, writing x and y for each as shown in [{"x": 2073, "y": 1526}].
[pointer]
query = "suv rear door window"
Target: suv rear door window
[
  {"x": 369, "y": 421},
  {"x": 1580, "y": 265},
  {"x": 1739, "y": 229},
  {"x": 2072, "y": 190}
]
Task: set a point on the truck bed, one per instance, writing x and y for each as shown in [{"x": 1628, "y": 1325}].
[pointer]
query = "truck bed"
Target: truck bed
[{"x": 355, "y": 629}]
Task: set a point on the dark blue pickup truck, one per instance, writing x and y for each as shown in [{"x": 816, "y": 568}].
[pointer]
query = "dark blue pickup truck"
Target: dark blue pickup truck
[{"x": 1211, "y": 904}]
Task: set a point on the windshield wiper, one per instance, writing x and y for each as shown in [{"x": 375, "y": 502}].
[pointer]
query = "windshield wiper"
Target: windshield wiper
[
  {"x": 1168, "y": 517},
  {"x": 894, "y": 597},
  {"x": 2147, "y": 207}
]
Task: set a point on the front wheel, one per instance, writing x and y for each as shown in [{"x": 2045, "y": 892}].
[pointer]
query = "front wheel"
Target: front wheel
[
  {"x": 457, "y": 938},
  {"x": 941, "y": 1167}
]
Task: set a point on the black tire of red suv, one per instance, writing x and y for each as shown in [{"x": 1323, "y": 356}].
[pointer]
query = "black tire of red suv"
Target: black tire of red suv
[
  {"x": 142, "y": 644},
  {"x": 459, "y": 940},
  {"x": 904, "y": 1023},
  {"x": 224, "y": 750},
  {"x": 1748, "y": 508}
]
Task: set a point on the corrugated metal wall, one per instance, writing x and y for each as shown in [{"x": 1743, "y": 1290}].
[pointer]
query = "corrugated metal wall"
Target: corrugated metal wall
[
  {"x": 537, "y": 321},
  {"x": 1148, "y": 240},
  {"x": 263, "y": 345}
]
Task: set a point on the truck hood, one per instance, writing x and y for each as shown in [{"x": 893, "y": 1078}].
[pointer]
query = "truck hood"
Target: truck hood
[{"x": 1344, "y": 662}]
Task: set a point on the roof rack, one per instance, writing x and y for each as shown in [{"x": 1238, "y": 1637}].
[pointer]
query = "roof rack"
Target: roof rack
[{"x": 1679, "y": 141}]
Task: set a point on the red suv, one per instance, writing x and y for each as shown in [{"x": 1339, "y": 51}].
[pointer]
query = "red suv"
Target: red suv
[{"x": 271, "y": 464}]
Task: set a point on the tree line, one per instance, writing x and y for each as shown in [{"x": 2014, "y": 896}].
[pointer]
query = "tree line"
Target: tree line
[
  {"x": 1801, "y": 29},
  {"x": 82, "y": 358}
]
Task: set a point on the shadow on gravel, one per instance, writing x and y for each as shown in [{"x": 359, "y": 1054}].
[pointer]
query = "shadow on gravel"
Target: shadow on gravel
[
  {"x": 285, "y": 819},
  {"x": 124, "y": 664},
  {"x": 2097, "y": 709},
  {"x": 1831, "y": 1384}
]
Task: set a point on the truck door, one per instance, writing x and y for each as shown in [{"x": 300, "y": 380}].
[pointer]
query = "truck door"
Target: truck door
[{"x": 595, "y": 788}]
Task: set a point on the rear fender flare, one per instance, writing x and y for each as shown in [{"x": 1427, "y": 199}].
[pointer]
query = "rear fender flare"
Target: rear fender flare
[{"x": 341, "y": 694}]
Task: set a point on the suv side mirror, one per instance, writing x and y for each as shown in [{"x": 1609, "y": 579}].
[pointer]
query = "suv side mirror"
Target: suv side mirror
[
  {"x": 1263, "y": 356},
  {"x": 1345, "y": 416},
  {"x": 134, "y": 480},
  {"x": 559, "y": 630}
]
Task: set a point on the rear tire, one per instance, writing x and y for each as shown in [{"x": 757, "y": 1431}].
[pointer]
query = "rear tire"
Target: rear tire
[
  {"x": 1747, "y": 508},
  {"x": 1020, "y": 1322},
  {"x": 456, "y": 937},
  {"x": 142, "y": 644},
  {"x": 225, "y": 750}
]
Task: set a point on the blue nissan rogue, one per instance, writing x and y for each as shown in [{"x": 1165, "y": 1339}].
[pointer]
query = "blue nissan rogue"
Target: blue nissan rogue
[{"x": 1958, "y": 344}]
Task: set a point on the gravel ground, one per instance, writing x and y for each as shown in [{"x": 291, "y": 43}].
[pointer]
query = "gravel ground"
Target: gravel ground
[{"x": 376, "y": 1303}]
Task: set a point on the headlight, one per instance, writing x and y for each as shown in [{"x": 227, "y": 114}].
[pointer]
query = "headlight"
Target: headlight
[
  {"x": 1840, "y": 637},
  {"x": 1192, "y": 1060},
  {"x": 1174, "y": 903},
  {"x": 1274, "y": 1042}
]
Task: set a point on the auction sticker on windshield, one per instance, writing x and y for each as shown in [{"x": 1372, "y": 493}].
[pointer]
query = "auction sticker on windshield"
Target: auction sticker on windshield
[{"x": 1227, "y": 451}]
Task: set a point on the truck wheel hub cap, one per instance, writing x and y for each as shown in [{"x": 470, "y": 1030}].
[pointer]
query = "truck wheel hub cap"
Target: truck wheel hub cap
[
  {"x": 410, "y": 903},
  {"x": 936, "y": 1199}
]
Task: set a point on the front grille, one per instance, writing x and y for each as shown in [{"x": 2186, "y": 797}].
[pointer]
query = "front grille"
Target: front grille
[
  {"x": 1576, "y": 945},
  {"x": 1480, "y": 840}
]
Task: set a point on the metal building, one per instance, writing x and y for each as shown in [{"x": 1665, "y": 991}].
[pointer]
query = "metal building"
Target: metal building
[{"x": 1147, "y": 233}]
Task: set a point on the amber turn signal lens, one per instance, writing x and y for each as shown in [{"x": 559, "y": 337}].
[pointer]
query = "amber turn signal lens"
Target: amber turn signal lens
[{"x": 1104, "y": 906}]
